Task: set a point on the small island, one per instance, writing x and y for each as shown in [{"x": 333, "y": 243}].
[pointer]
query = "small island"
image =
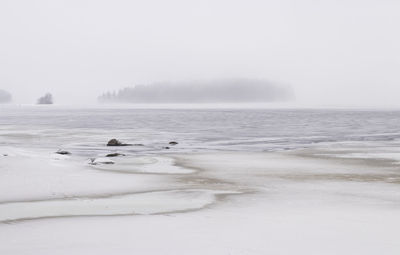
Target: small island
[
  {"x": 5, "y": 97},
  {"x": 46, "y": 99}
]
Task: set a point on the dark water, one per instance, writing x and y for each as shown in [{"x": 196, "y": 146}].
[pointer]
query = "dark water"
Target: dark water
[{"x": 195, "y": 129}]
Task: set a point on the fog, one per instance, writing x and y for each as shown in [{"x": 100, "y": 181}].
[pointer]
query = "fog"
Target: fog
[{"x": 332, "y": 53}]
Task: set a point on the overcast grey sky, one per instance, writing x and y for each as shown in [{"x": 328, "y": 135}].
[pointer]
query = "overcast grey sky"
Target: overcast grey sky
[{"x": 339, "y": 53}]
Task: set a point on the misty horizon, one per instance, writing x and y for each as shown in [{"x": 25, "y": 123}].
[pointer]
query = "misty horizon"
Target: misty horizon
[{"x": 335, "y": 53}]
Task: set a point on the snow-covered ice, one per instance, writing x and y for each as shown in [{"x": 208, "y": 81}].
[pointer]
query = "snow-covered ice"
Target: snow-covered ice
[
  {"x": 271, "y": 203},
  {"x": 239, "y": 182}
]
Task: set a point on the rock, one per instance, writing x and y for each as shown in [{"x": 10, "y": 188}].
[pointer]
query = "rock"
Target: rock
[
  {"x": 115, "y": 142},
  {"x": 5, "y": 155},
  {"x": 101, "y": 161},
  {"x": 114, "y": 155},
  {"x": 167, "y": 148},
  {"x": 61, "y": 152},
  {"x": 173, "y": 143}
]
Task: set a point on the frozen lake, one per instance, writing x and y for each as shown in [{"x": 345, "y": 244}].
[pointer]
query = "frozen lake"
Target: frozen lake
[{"x": 252, "y": 181}]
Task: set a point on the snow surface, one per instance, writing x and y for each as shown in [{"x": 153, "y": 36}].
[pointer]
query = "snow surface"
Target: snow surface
[{"x": 222, "y": 203}]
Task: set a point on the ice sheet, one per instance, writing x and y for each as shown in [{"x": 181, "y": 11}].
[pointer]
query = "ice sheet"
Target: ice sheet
[{"x": 130, "y": 204}]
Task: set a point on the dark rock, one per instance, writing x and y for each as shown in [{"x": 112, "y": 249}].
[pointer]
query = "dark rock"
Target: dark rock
[
  {"x": 167, "y": 148},
  {"x": 115, "y": 154},
  {"x": 5, "y": 155},
  {"x": 173, "y": 143},
  {"x": 61, "y": 152},
  {"x": 115, "y": 142}
]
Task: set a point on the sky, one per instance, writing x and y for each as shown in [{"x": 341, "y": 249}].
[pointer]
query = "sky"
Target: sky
[{"x": 343, "y": 53}]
